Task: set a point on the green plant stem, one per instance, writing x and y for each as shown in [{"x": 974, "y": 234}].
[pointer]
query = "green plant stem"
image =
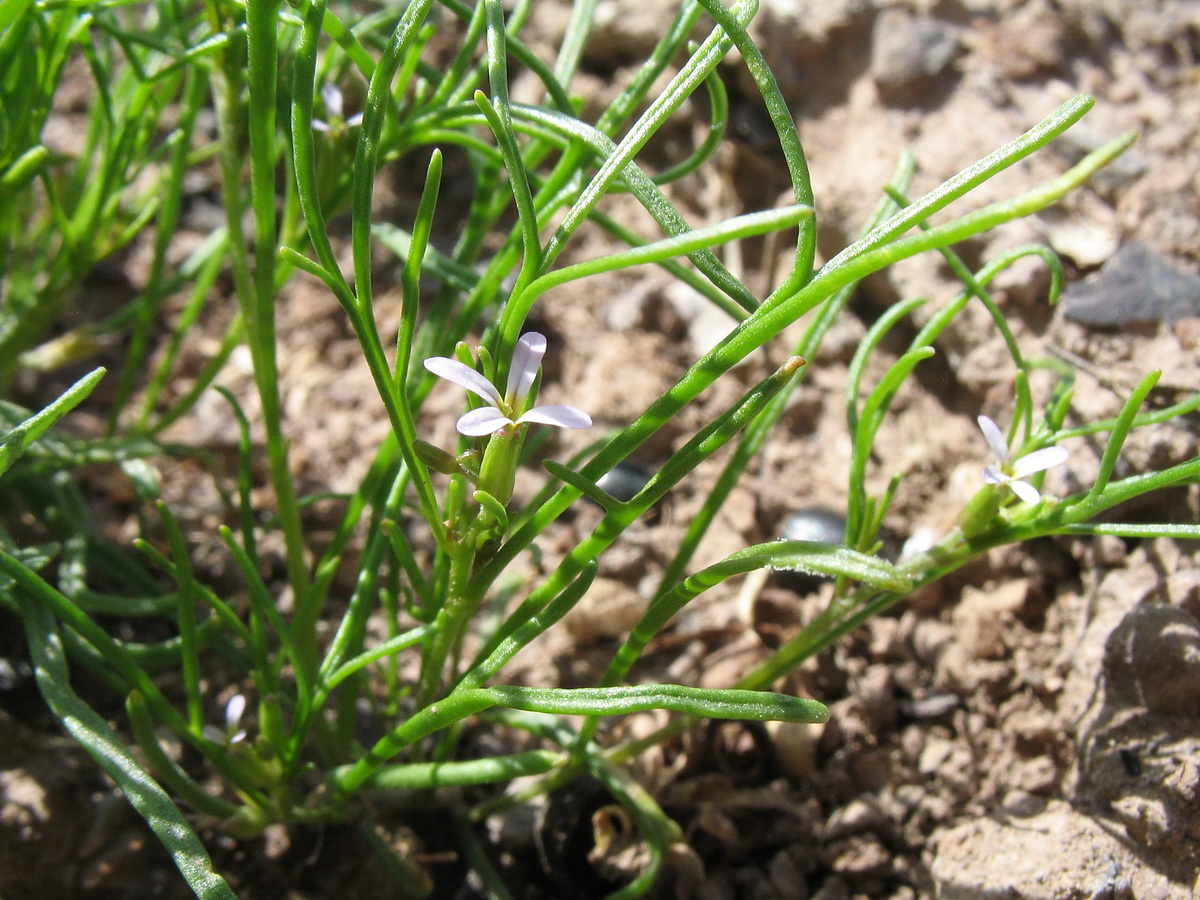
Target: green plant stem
[
  {"x": 781, "y": 310},
  {"x": 167, "y": 770},
  {"x": 186, "y": 618},
  {"x": 259, "y": 308},
  {"x": 111, "y": 754},
  {"x": 457, "y": 609},
  {"x": 756, "y": 435},
  {"x": 357, "y": 302},
  {"x": 21, "y": 436},
  {"x": 119, "y": 659},
  {"x": 168, "y": 222},
  {"x": 620, "y": 515},
  {"x": 720, "y": 704},
  {"x": 427, "y": 776}
]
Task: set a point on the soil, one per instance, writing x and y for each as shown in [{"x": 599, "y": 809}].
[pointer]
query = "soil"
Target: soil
[{"x": 1027, "y": 728}]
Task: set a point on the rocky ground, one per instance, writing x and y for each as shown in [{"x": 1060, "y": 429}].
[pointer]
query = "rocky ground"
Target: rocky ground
[{"x": 1029, "y": 728}]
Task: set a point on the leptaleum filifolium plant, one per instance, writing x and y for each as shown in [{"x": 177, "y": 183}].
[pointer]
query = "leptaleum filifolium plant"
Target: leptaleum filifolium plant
[{"x": 299, "y": 758}]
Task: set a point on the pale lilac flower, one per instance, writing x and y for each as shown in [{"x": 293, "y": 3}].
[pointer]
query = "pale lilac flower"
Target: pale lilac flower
[
  {"x": 232, "y": 734},
  {"x": 507, "y": 410},
  {"x": 331, "y": 96},
  {"x": 1009, "y": 471}
]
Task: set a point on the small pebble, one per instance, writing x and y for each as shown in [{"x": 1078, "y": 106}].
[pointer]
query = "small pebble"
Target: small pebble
[
  {"x": 624, "y": 480},
  {"x": 1188, "y": 332},
  {"x": 822, "y": 526},
  {"x": 929, "y": 707},
  {"x": 1136, "y": 285},
  {"x": 909, "y": 53}
]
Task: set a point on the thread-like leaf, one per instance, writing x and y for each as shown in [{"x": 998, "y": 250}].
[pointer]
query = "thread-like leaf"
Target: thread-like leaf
[
  {"x": 111, "y": 754},
  {"x": 759, "y": 706},
  {"x": 17, "y": 441},
  {"x": 804, "y": 556}
]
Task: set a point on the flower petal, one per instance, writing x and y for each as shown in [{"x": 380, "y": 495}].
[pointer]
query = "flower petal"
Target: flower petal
[
  {"x": 463, "y": 376},
  {"x": 526, "y": 359},
  {"x": 354, "y": 120},
  {"x": 1039, "y": 460},
  {"x": 995, "y": 439},
  {"x": 1026, "y": 492},
  {"x": 331, "y": 96},
  {"x": 555, "y": 414},
  {"x": 481, "y": 421},
  {"x": 992, "y": 475},
  {"x": 318, "y": 125},
  {"x": 234, "y": 710}
]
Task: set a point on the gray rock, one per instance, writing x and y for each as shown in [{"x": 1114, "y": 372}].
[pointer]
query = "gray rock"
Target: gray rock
[
  {"x": 1004, "y": 857},
  {"x": 1136, "y": 285},
  {"x": 1152, "y": 659},
  {"x": 909, "y": 53}
]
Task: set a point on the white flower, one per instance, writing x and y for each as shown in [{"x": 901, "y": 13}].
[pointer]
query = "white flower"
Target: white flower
[
  {"x": 232, "y": 734},
  {"x": 1009, "y": 471},
  {"x": 331, "y": 96},
  {"x": 507, "y": 410}
]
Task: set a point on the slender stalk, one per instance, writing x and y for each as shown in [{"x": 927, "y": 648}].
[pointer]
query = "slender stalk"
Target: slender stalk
[
  {"x": 456, "y": 611},
  {"x": 258, "y": 306}
]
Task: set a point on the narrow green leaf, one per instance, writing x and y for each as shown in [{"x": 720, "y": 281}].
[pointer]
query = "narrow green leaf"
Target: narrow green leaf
[
  {"x": 11, "y": 10},
  {"x": 705, "y": 443},
  {"x": 17, "y": 441},
  {"x": 866, "y": 347},
  {"x": 536, "y": 624},
  {"x": 24, "y": 169},
  {"x": 410, "y": 276},
  {"x": 804, "y": 556},
  {"x": 590, "y": 489},
  {"x": 186, "y": 616},
  {"x": 111, "y": 754},
  {"x": 166, "y": 768},
  {"x": 738, "y": 228},
  {"x": 759, "y": 706},
  {"x": 969, "y": 178},
  {"x": 425, "y": 776},
  {"x": 1180, "y": 531},
  {"x": 1116, "y": 439}
]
